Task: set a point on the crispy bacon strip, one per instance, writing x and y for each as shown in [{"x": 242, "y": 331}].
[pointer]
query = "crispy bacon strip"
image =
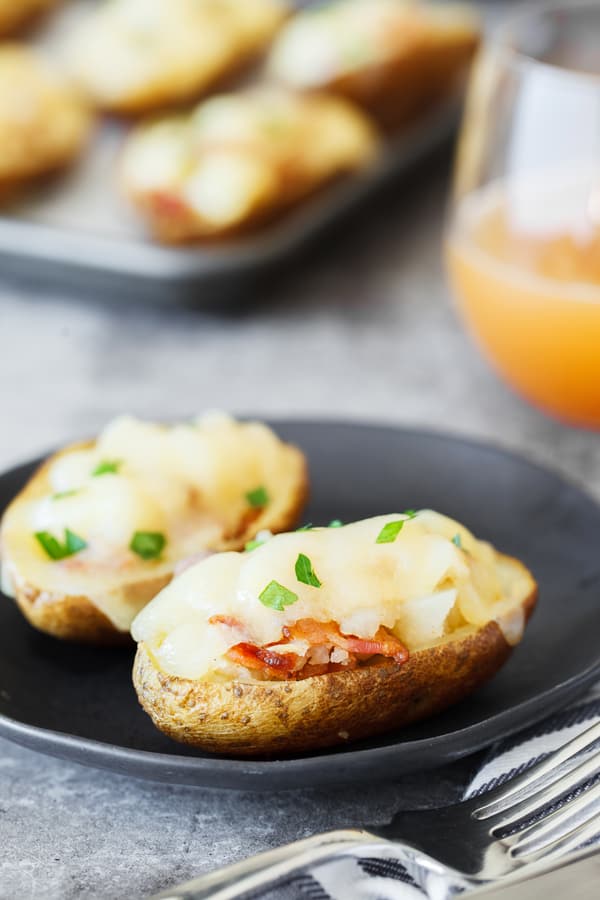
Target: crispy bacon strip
[
  {"x": 291, "y": 665},
  {"x": 279, "y": 665},
  {"x": 384, "y": 643}
]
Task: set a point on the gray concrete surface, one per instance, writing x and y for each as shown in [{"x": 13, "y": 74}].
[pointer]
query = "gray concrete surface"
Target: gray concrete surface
[{"x": 363, "y": 329}]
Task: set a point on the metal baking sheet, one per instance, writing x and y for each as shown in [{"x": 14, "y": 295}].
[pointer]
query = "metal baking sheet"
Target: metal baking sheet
[{"x": 76, "y": 231}]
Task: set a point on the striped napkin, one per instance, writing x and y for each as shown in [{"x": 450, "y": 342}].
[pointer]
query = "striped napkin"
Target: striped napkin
[{"x": 380, "y": 879}]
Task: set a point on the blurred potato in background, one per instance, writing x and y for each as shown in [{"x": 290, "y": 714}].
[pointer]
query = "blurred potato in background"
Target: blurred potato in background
[
  {"x": 240, "y": 159},
  {"x": 393, "y": 58},
  {"x": 44, "y": 123},
  {"x": 132, "y": 56},
  {"x": 310, "y": 88}
]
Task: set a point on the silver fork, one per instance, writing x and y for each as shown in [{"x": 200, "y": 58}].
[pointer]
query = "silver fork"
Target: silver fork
[{"x": 454, "y": 848}]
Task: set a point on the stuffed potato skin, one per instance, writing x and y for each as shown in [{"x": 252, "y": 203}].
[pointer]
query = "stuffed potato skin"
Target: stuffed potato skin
[
  {"x": 74, "y": 616},
  {"x": 396, "y": 60},
  {"x": 44, "y": 123},
  {"x": 269, "y": 718},
  {"x": 240, "y": 161},
  {"x": 162, "y": 53},
  {"x": 68, "y": 616},
  {"x": 281, "y": 717}
]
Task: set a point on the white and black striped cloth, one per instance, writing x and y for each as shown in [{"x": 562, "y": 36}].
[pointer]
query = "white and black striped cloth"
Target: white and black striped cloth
[{"x": 377, "y": 879}]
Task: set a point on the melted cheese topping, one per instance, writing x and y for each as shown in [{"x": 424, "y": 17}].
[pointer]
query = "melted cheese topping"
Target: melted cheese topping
[
  {"x": 188, "y": 482},
  {"x": 241, "y": 153},
  {"x": 422, "y": 586},
  {"x": 319, "y": 46},
  {"x": 152, "y": 51}
]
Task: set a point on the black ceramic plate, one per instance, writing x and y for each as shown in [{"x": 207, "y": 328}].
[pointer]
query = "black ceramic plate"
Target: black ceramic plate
[{"x": 78, "y": 702}]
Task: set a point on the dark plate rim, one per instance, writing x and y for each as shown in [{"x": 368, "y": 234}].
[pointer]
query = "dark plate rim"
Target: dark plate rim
[{"x": 457, "y": 744}]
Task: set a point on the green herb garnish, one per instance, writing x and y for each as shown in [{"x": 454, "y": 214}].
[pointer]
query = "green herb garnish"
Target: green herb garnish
[
  {"x": 390, "y": 532},
  {"x": 276, "y": 596},
  {"x": 258, "y": 497},
  {"x": 305, "y": 572},
  {"x": 62, "y": 494},
  {"x": 72, "y": 544},
  {"x": 252, "y": 545},
  {"x": 308, "y": 527},
  {"x": 107, "y": 467},
  {"x": 148, "y": 544},
  {"x": 336, "y": 523},
  {"x": 457, "y": 541}
]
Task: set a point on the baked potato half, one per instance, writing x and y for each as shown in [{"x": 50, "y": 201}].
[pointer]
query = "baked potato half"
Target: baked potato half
[
  {"x": 240, "y": 160},
  {"x": 135, "y": 56},
  {"x": 395, "y": 59},
  {"x": 44, "y": 122},
  {"x": 101, "y": 527},
  {"x": 327, "y": 635}
]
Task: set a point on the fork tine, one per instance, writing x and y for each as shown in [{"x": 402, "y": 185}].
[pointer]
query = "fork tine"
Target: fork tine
[
  {"x": 558, "y": 824},
  {"x": 546, "y": 796},
  {"x": 538, "y": 776},
  {"x": 573, "y": 840}
]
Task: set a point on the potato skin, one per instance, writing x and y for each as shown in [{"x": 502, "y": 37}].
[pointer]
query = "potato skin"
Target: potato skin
[
  {"x": 274, "y": 717},
  {"x": 16, "y": 15},
  {"x": 76, "y": 618},
  {"x": 398, "y": 92}
]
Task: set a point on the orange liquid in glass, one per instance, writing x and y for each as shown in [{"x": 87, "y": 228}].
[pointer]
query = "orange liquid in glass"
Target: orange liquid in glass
[{"x": 525, "y": 269}]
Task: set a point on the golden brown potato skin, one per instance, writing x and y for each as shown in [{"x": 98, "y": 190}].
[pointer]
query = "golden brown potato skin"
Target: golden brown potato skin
[
  {"x": 15, "y": 14},
  {"x": 76, "y": 618},
  {"x": 418, "y": 56},
  {"x": 275, "y": 717},
  {"x": 400, "y": 91}
]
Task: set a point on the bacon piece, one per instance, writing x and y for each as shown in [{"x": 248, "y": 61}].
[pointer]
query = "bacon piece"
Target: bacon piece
[
  {"x": 225, "y": 620},
  {"x": 384, "y": 643},
  {"x": 317, "y": 634},
  {"x": 168, "y": 205},
  {"x": 279, "y": 665}
]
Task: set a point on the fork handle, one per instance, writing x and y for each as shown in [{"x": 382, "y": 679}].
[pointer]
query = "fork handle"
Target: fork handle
[{"x": 264, "y": 869}]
